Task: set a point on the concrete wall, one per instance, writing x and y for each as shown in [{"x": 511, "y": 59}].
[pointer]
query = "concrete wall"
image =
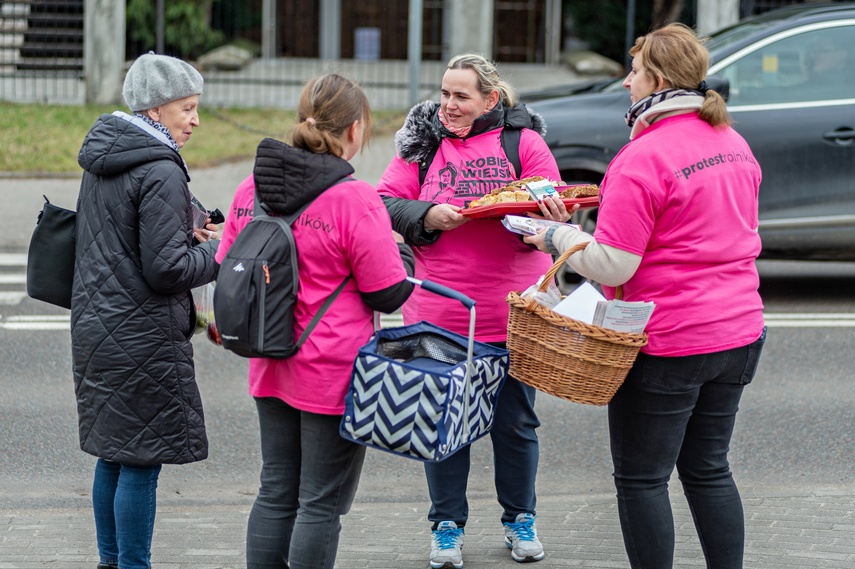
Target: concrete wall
[
  {"x": 715, "y": 14},
  {"x": 468, "y": 27}
]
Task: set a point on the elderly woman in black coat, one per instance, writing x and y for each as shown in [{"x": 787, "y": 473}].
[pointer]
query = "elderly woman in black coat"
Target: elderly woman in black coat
[{"x": 138, "y": 255}]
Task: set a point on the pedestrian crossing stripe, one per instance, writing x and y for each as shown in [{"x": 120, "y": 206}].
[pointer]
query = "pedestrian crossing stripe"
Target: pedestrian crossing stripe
[
  {"x": 773, "y": 320},
  {"x": 11, "y": 298},
  {"x": 43, "y": 322},
  {"x": 13, "y": 259},
  {"x": 62, "y": 321},
  {"x": 19, "y": 278}
]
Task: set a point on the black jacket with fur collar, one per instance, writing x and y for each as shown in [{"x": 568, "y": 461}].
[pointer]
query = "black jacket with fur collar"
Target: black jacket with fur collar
[{"x": 421, "y": 133}]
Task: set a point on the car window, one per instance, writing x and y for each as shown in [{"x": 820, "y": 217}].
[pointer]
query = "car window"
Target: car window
[
  {"x": 616, "y": 85},
  {"x": 733, "y": 34},
  {"x": 818, "y": 65}
]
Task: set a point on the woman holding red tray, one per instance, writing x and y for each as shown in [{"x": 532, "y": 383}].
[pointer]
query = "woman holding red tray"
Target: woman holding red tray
[{"x": 479, "y": 258}]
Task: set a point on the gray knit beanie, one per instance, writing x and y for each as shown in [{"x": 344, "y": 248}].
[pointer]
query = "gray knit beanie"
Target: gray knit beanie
[{"x": 154, "y": 80}]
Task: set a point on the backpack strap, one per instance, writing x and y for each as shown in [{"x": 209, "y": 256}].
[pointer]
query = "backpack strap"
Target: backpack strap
[
  {"x": 258, "y": 208},
  {"x": 510, "y": 140},
  {"x": 290, "y": 219},
  {"x": 425, "y": 163},
  {"x": 511, "y": 145},
  {"x": 321, "y": 311},
  {"x": 331, "y": 298}
]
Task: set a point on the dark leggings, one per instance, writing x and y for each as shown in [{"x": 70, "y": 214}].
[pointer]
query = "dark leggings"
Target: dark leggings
[{"x": 308, "y": 480}]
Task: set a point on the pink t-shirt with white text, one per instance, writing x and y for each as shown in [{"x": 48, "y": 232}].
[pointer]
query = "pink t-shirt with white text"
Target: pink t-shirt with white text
[
  {"x": 683, "y": 195},
  {"x": 345, "y": 230}
]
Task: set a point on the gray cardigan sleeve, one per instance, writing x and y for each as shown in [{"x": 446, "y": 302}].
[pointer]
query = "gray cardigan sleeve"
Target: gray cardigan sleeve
[{"x": 602, "y": 263}]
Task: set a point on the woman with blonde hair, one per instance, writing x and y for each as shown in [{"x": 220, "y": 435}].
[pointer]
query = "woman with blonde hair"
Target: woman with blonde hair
[
  {"x": 309, "y": 474},
  {"x": 470, "y": 131},
  {"x": 677, "y": 225}
]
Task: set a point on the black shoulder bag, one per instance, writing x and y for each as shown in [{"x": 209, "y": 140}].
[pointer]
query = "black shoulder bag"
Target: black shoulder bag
[{"x": 50, "y": 258}]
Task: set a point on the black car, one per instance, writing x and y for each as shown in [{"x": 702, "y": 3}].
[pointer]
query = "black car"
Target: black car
[{"x": 789, "y": 78}]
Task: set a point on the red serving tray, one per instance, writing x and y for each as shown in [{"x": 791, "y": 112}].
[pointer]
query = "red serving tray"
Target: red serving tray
[{"x": 502, "y": 209}]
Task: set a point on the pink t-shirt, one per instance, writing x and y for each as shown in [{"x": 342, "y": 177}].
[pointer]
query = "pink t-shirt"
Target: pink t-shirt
[
  {"x": 345, "y": 230},
  {"x": 481, "y": 258},
  {"x": 683, "y": 195}
]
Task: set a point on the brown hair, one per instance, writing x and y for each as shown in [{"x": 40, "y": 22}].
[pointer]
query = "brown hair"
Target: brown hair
[
  {"x": 675, "y": 54},
  {"x": 488, "y": 76},
  {"x": 328, "y": 105}
]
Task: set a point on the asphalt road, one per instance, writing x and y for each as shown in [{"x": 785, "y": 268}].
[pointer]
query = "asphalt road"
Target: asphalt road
[{"x": 794, "y": 428}]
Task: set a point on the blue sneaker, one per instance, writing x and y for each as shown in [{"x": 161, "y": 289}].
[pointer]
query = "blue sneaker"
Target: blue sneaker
[
  {"x": 446, "y": 546},
  {"x": 521, "y": 539}
]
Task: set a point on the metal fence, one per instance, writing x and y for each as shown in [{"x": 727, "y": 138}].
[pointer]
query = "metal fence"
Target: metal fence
[
  {"x": 372, "y": 44},
  {"x": 41, "y": 46},
  {"x": 276, "y": 82},
  {"x": 41, "y": 51}
]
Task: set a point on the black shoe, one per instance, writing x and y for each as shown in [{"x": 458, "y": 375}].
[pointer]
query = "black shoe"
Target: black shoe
[{"x": 106, "y": 566}]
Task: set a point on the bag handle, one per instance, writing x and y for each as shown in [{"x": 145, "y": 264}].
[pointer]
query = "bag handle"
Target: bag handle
[
  {"x": 562, "y": 258},
  {"x": 468, "y": 303}
]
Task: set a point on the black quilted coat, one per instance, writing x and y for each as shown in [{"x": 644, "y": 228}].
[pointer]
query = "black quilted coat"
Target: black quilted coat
[{"x": 131, "y": 310}]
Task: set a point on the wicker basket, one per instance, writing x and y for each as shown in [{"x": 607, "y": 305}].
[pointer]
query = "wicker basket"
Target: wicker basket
[{"x": 564, "y": 357}]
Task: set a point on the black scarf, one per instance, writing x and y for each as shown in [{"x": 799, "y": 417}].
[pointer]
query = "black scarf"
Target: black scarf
[
  {"x": 160, "y": 128},
  {"x": 644, "y": 104}
]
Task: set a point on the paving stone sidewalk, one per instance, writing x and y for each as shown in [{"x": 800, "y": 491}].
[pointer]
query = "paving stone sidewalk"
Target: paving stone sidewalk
[{"x": 785, "y": 529}]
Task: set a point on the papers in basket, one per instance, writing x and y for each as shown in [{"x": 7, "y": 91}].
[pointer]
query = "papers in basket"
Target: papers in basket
[
  {"x": 530, "y": 225},
  {"x": 623, "y": 316},
  {"x": 587, "y": 305},
  {"x": 581, "y": 304}
]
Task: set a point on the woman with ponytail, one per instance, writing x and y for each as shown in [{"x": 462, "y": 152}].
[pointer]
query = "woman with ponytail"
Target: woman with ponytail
[
  {"x": 677, "y": 225},
  {"x": 309, "y": 473}
]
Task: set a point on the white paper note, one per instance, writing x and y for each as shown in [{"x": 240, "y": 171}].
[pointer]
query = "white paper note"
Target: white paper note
[{"x": 581, "y": 303}]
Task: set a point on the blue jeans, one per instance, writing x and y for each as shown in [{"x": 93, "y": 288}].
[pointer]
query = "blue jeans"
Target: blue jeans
[
  {"x": 680, "y": 411},
  {"x": 124, "y": 500},
  {"x": 515, "y": 456},
  {"x": 309, "y": 477}
]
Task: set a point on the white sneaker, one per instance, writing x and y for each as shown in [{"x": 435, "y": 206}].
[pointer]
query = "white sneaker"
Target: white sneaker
[
  {"x": 521, "y": 539},
  {"x": 446, "y": 546}
]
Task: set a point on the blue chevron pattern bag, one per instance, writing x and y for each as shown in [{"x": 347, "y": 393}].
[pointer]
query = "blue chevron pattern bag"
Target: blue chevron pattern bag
[{"x": 421, "y": 391}]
